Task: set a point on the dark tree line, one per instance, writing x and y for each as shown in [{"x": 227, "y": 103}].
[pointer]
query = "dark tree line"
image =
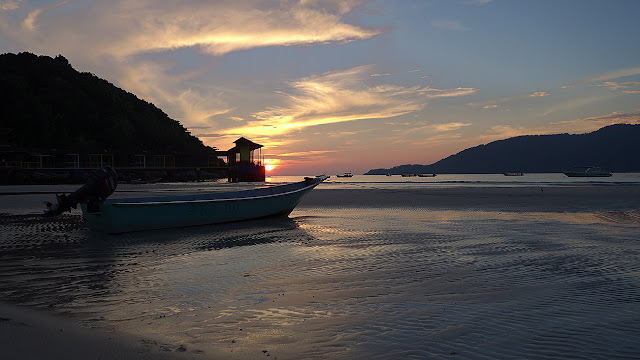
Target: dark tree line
[{"x": 47, "y": 104}]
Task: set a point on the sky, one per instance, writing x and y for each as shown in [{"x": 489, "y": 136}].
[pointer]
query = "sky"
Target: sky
[{"x": 330, "y": 86}]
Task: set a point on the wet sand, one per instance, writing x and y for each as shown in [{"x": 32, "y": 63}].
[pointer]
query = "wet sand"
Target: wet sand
[
  {"x": 495, "y": 273},
  {"x": 35, "y": 334}
]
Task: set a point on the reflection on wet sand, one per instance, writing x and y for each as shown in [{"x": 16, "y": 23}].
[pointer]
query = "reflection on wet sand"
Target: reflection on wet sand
[{"x": 347, "y": 283}]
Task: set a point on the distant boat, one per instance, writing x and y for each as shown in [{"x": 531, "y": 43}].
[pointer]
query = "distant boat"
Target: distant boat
[
  {"x": 587, "y": 171},
  {"x": 389, "y": 175},
  {"x": 512, "y": 173},
  {"x": 427, "y": 175},
  {"x": 134, "y": 214},
  {"x": 345, "y": 175},
  {"x": 409, "y": 175}
]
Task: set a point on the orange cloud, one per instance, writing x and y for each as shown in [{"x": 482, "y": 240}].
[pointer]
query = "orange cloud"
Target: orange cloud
[
  {"x": 29, "y": 21},
  {"x": 341, "y": 96},
  {"x": 121, "y": 28},
  {"x": 448, "y": 127},
  {"x": 613, "y": 85},
  {"x": 539, "y": 94}
]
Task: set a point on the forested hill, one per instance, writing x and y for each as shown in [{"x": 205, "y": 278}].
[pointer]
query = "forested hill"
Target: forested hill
[
  {"x": 614, "y": 147},
  {"x": 47, "y": 104}
]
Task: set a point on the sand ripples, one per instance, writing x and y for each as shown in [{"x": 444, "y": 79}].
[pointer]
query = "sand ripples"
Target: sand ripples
[{"x": 349, "y": 283}]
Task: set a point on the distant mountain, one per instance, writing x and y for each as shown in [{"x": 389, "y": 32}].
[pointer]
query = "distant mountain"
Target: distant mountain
[
  {"x": 46, "y": 104},
  {"x": 615, "y": 148}
]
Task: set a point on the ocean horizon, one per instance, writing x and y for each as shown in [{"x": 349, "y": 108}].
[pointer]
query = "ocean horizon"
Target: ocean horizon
[{"x": 453, "y": 180}]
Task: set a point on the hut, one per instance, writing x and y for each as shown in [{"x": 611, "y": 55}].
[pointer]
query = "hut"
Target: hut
[{"x": 245, "y": 163}]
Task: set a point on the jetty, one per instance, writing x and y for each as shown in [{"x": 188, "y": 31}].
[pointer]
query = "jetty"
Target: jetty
[{"x": 22, "y": 166}]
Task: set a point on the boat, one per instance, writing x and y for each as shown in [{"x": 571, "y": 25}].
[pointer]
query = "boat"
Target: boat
[
  {"x": 161, "y": 212},
  {"x": 345, "y": 175},
  {"x": 134, "y": 214},
  {"x": 512, "y": 173},
  {"x": 409, "y": 175},
  {"x": 426, "y": 175},
  {"x": 587, "y": 171}
]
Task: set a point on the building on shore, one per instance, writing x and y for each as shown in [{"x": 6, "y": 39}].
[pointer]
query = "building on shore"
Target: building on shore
[{"x": 245, "y": 161}]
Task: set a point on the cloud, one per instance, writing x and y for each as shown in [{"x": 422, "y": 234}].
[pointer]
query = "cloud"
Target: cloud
[
  {"x": 613, "y": 85},
  {"x": 438, "y": 93},
  {"x": 449, "y": 25},
  {"x": 342, "y": 96},
  {"x": 539, "y": 94},
  {"x": 194, "y": 105},
  {"x": 576, "y": 103},
  {"x": 9, "y": 4},
  {"x": 309, "y": 154},
  {"x": 32, "y": 17},
  {"x": 599, "y": 121},
  {"x": 426, "y": 133},
  {"x": 401, "y": 73},
  {"x": 612, "y": 75},
  {"x": 123, "y": 28},
  {"x": 448, "y": 127},
  {"x": 28, "y": 23}
]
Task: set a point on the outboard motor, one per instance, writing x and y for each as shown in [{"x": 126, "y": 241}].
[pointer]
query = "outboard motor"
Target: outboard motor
[{"x": 99, "y": 186}]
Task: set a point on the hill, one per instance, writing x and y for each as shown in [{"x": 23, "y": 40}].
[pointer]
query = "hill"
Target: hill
[
  {"x": 614, "y": 147},
  {"x": 49, "y": 105}
]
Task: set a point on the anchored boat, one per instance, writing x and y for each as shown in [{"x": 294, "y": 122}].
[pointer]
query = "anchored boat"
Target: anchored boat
[
  {"x": 145, "y": 213},
  {"x": 587, "y": 171}
]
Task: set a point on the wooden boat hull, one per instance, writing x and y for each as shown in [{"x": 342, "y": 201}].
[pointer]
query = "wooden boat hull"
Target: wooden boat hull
[{"x": 125, "y": 215}]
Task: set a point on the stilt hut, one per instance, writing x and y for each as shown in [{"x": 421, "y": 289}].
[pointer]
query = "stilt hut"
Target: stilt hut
[{"x": 245, "y": 161}]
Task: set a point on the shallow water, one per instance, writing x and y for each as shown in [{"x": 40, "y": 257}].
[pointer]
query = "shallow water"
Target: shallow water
[{"x": 345, "y": 283}]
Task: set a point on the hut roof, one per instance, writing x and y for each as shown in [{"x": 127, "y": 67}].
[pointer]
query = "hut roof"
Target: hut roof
[{"x": 245, "y": 143}]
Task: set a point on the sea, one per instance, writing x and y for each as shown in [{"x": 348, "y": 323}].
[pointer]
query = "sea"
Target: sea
[
  {"x": 349, "y": 281},
  {"x": 465, "y": 180}
]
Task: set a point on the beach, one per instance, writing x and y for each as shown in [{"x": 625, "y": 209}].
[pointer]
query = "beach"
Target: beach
[{"x": 474, "y": 272}]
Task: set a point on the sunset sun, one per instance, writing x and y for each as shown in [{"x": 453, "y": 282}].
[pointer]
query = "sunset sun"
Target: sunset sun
[{"x": 269, "y": 167}]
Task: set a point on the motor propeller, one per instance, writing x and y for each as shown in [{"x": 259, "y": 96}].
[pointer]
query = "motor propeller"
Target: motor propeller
[{"x": 99, "y": 186}]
